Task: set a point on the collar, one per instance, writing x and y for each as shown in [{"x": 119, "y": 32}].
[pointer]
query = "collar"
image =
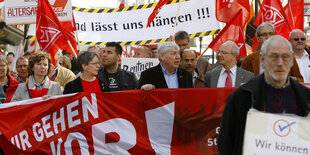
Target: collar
[
  {"x": 56, "y": 68},
  {"x": 304, "y": 55},
  {"x": 32, "y": 85},
  {"x": 164, "y": 71},
  {"x": 287, "y": 83},
  {"x": 195, "y": 74}
]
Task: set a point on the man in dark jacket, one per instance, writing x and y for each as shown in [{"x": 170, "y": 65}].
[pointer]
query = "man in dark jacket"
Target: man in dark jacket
[
  {"x": 273, "y": 91},
  {"x": 167, "y": 74},
  {"x": 115, "y": 78}
]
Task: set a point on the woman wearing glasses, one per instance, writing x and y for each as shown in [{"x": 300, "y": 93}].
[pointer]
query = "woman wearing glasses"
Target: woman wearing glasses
[
  {"x": 38, "y": 84},
  {"x": 89, "y": 64}
]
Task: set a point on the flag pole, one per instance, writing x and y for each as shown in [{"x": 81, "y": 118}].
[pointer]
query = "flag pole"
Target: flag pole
[
  {"x": 78, "y": 40},
  {"x": 72, "y": 48},
  {"x": 176, "y": 17},
  {"x": 203, "y": 53},
  {"x": 24, "y": 46},
  {"x": 35, "y": 44}
]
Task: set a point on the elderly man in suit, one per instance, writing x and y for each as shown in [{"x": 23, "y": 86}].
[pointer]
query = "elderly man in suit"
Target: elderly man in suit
[
  {"x": 229, "y": 75},
  {"x": 167, "y": 73}
]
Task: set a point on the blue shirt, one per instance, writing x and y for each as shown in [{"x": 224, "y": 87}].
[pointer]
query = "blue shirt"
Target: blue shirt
[{"x": 171, "y": 80}]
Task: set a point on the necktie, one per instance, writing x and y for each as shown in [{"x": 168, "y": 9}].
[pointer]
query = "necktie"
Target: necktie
[{"x": 228, "y": 82}]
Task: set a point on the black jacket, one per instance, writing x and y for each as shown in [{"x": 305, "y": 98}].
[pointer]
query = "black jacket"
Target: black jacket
[
  {"x": 76, "y": 86},
  {"x": 155, "y": 76},
  {"x": 127, "y": 80},
  {"x": 237, "y": 106}
]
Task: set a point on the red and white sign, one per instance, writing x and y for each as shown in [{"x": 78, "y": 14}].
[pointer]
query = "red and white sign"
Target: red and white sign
[
  {"x": 162, "y": 121},
  {"x": 25, "y": 11}
]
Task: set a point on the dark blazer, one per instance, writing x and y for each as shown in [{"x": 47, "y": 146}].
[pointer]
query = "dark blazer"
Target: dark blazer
[
  {"x": 212, "y": 77},
  {"x": 251, "y": 94},
  {"x": 155, "y": 76},
  {"x": 76, "y": 86}
]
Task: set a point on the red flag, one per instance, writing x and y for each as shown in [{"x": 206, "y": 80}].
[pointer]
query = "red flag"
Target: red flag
[
  {"x": 50, "y": 33},
  {"x": 232, "y": 31},
  {"x": 227, "y": 9},
  {"x": 70, "y": 28},
  {"x": 294, "y": 11},
  {"x": 1, "y": 3},
  {"x": 272, "y": 11},
  {"x": 123, "y": 3},
  {"x": 156, "y": 11}
]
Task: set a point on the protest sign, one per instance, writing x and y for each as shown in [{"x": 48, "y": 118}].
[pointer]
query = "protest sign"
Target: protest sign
[
  {"x": 268, "y": 133},
  {"x": 138, "y": 65},
  {"x": 128, "y": 26},
  {"x": 25, "y": 11},
  {"x": 161, "y": 121}
]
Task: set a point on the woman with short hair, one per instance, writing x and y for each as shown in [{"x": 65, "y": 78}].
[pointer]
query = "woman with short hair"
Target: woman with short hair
[
  {"x": 89, "y": 64},
  {"x": 7, "y": 81},
  {"x": 38, "y": 84}
]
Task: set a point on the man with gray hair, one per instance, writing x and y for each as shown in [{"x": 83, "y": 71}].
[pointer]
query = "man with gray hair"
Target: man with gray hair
[
  {"x": 251, "y": 62},
  {"x": 273, "y": 91},
  {"x": 167, "y": 73},
  {"x": 229, "y": 75}
]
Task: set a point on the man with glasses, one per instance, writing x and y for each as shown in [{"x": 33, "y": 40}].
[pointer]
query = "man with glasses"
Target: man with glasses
[
  {"x": 115, "y": 78},
  {"x": 229, "y": 75},
  {"x": 252, "y": 61},
  {"x": 273, "y": 91},
  {"x": 298, "y": 41}
]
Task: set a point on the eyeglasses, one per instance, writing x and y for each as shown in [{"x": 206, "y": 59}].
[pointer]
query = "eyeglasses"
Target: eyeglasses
[
  {"x": 224, "y": 52},
  {"x": 297, "y": 39},
  {"x": 94, "y": 63},
  {"x": 275, "y": 57},
  {"x": 266, "y": 34}
]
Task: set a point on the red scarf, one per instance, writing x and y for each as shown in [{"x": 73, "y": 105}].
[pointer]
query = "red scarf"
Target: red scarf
[{"x": 37, "y": 93}]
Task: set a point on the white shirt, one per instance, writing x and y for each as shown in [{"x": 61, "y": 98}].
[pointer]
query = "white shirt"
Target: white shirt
[
  {"x": 304, "y": 66},
  {"x": 195, "y": 76},
  {"x": 223, "y": 75}
]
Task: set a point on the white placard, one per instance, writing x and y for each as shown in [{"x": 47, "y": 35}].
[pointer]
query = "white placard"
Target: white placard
[
  {"x": 195, "y": 16},
  {"x": 267, "y": 133},
  {"x": 137, "y": 65},
  {"x": 25, "y": 11}
]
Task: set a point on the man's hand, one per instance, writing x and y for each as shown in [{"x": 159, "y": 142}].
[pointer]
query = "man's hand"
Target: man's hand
[{"x": 147, "y": 87}]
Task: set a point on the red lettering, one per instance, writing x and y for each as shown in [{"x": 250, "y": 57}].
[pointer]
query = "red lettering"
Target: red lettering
[{"x": 10, "y": 12}]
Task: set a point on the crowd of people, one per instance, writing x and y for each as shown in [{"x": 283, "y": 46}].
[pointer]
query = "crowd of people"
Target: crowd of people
[{"x": 267, "y": 80}]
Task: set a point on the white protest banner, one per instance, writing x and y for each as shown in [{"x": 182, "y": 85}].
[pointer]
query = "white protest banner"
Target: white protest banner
[
  {"x": 137, "y": 65},
  {"x": 25, "y": 11},
  {"x": 129, "y": 26},
  {"x": 276, "y": 134}
]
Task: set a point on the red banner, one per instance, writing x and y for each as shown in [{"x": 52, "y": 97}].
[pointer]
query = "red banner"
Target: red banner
[{"x": 163, "y": 121}]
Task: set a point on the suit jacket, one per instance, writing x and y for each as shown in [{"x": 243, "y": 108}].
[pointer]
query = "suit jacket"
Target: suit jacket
[
  {"x": 203, "y": 65},
  {"x": 212, "y": 77},
  {"x": 251, "y": 63},
  {"x": 200, "y": 80},
  {"x": 155, "y": 76}
]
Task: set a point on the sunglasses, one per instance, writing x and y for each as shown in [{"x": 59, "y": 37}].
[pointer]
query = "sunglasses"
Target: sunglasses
[{"x": 297, "y": 39}]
